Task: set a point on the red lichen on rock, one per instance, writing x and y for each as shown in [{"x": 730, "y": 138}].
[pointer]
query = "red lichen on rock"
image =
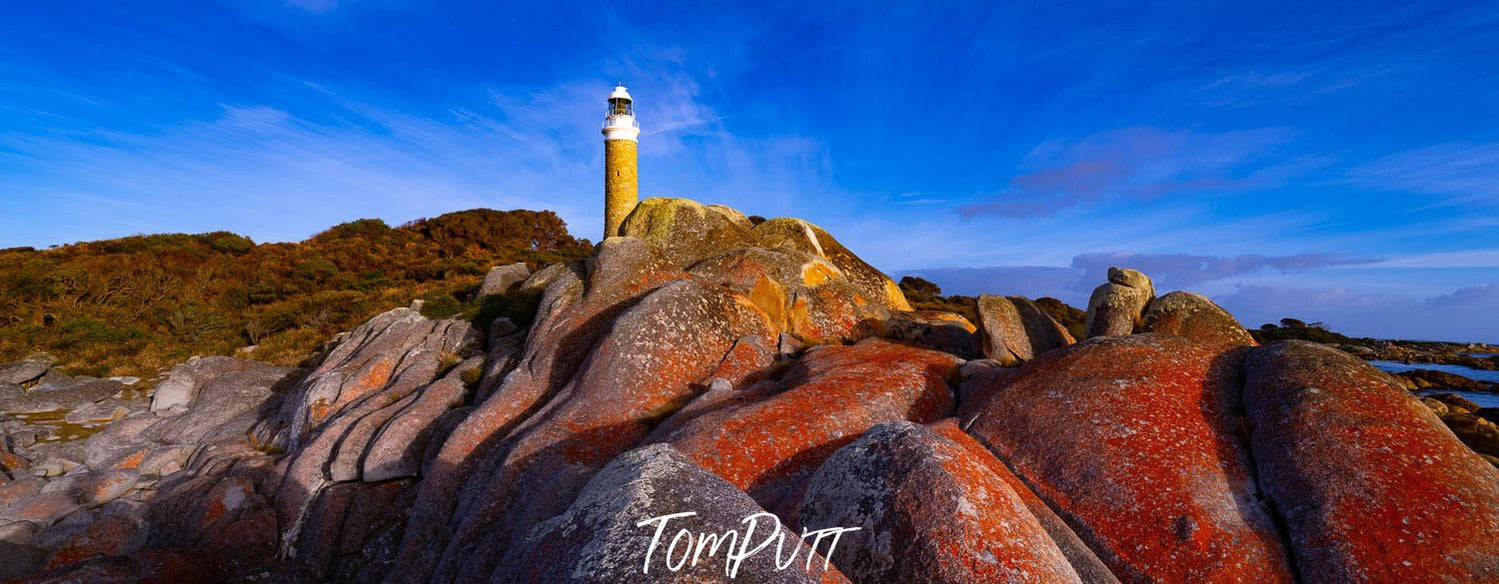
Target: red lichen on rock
[
  {"x": 106, "y": 536},
  {"x": 928, "y": 510},
  {"x": 656, "y": 356},
  {"x": 1372, "y": 486},
  {"x": 1131, "y": 439},
  {"x": 834, "y": 393},
  {"x": 1083, "y": 560}
]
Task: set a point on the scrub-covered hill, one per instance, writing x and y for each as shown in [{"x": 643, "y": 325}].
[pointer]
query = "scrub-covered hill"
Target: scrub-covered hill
[{"x": 134, "y": 305}]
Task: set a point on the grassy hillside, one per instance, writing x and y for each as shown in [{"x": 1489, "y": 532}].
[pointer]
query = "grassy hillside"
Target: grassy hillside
[{"x": 133, "y": 305}]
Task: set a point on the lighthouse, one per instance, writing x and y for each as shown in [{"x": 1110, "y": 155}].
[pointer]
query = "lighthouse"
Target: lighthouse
[{"x": 621, "y": 183}]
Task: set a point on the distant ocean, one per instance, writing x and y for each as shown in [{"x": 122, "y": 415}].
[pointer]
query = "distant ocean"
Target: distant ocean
[{"x": 1488, "y": 400}]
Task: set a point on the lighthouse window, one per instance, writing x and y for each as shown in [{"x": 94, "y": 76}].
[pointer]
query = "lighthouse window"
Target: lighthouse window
[{"x": 619, "y": 107}]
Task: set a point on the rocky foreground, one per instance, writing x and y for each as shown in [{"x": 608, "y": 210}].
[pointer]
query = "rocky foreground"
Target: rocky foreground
[{"x": 703, "y": 363}]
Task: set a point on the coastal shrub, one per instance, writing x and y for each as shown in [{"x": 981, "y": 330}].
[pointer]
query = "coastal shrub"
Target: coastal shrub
[{"x": 133, "y": 305}]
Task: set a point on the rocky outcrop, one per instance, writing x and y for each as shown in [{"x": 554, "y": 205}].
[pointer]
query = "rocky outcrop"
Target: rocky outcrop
[
  {"x": 1014, "y": 330},
  {"x": 689, "y": 232},
  {"x": 1118, "y": 306},
  {"x": 802, "y": 294},
  {"x": 936, "y": 330},
  {"x": 711, "y": 365},
  {"x": 1418, "y": 379},
  {"x": 1194, "y": 316},
  {"x": 789, "y": 233},
  {"x": 26, "y": 370},
  {"x": 656, "y": 356},
  {"x": 1366, "y": 477},
  {"x": 600, "y": 537},
  {"x": 921, "y": 500},
  {"x": 1133, "y": 441},
  {"x": 504, "y": 279},
  {"x": 831, "y": 395},
  {"x": 685, "y": 230}
]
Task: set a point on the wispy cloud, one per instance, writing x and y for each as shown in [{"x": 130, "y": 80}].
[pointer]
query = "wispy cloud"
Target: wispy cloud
[
  {"x": 1186, "y": 270},
  {"x": 1475, "y": 296},
  {"x": 1472, "y": 258},
  {"x": 1133, "y": 164},
  {"x": 1296, "y": 86},
  {"x": 289, "y": 175},
  {"x": 1459, "y": 172},
  {"x": 1088, "y": 270}
]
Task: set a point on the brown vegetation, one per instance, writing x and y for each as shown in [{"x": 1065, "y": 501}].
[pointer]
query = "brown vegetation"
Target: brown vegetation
[{"x": 137, "y": 304}]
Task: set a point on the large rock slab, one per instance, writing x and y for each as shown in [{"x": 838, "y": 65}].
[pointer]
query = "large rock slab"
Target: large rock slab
[
  {"x": 66, "y": 394},
  {"x": 1194, "y": 316},
  {"x": 1372, "y": 487},
  {"x": 685, "y": 230},
  {"x": 803, "y": 294},
  {"x": 928, "y": 510},
  {"x": 25, "y": 370},
  {"x": 1086, "y": 563},
  {"x": 1118, "y": 306},
  {"x": 606, "y": 534},
  {"x": 504, "y": 279},
  {"x": 832, "y": 395},
  {"x": 396, "y": 452},
  {"x": 1133, "y": 441},
  {"x": 657, "y": 355},
  {"x": 1013, "y": 329},
  {"x": 801, "y": 235},
  {"x": 229, "y": 396}
]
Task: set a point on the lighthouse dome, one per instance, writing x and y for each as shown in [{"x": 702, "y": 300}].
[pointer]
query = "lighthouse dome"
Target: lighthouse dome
[{"x": 619, "y": 93}]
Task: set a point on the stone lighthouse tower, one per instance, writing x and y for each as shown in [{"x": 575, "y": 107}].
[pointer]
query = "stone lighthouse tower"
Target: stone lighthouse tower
[{"x": 621, "y": 183}]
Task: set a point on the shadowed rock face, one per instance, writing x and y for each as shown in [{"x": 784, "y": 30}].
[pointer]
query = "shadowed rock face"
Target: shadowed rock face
[
  {"x": 709, "y": 365},
  {"x": 1372, "y": 487}
]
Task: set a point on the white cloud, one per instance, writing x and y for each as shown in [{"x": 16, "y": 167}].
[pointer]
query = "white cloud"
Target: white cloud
[{"x": 1458, "y": 172}]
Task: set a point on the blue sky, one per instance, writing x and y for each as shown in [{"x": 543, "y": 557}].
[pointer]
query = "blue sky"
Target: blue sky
[{"x": 1335, "y": 162}]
